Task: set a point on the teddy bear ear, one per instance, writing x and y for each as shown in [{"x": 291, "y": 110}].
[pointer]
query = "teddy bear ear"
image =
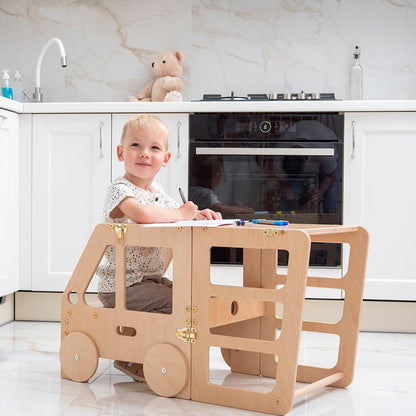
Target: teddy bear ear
[{"x": 179, "y": 56}]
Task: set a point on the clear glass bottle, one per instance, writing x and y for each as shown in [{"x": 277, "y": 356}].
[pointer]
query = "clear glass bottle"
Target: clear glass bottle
[
  {"x": 356, "y": 77},
  {"x": 17, "y": 85}
]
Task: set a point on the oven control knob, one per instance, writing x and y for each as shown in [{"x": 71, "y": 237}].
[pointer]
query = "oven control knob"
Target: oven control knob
[
  {"x": 301, "y": 96},
  {"x": 265, "y": 126}
]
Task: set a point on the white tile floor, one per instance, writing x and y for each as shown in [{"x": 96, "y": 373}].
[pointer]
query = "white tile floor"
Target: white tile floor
[{"x": 30, "y": 383}]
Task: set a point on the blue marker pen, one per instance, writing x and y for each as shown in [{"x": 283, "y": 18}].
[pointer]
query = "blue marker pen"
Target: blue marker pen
[{"x": 270, "y": 222}]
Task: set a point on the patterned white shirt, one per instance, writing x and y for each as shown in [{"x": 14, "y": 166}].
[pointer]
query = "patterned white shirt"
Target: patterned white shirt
[{"x": 140, "y": 261}]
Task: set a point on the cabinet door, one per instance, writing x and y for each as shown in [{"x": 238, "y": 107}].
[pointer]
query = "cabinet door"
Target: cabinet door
[
  {"x": 379, "y": 193},
  {"x": 71, "y": 171},
  {"x": 9, "y": 208},
  {"x": 175, "y": 175}
]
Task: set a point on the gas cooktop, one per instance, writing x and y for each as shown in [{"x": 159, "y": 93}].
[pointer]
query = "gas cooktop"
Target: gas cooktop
[{"x": 301, "y": 96}]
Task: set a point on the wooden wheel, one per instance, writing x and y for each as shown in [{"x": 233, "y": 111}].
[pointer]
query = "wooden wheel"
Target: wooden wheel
[
  {"x": 165, "y": 370},
  {"x": 79, "y": 356}
]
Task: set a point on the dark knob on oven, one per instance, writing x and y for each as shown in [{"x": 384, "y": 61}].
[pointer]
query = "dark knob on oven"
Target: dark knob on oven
[{"x": 265, "y": 126}]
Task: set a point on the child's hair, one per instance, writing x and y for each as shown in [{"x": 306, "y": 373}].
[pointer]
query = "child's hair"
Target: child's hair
[{"x": 146, "y": 121}]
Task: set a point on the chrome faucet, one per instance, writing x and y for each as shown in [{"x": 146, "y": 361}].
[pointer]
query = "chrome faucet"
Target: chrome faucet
[{"x": 37, "y": 95}]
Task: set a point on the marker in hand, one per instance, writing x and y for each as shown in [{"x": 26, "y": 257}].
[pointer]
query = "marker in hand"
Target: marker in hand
[{"x": 182, "y": 195}]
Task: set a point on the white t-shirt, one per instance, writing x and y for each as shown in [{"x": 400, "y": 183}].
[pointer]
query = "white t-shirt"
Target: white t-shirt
[{"x": 140, "y": 261}]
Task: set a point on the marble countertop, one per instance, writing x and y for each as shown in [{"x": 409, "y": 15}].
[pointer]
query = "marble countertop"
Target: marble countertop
[{"x": 213, "y": 106}]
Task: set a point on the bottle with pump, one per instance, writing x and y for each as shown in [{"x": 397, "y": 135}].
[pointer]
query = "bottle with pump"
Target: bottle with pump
[
  {"x": 17, "y": 85},
  {"x": 5, "y": 86},
  {"x": 356, "y": 77}
]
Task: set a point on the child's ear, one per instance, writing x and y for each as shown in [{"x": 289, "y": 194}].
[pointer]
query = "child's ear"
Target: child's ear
[
  {"x": 166, "y": 160},
  {"x": 120, "y": 156}
]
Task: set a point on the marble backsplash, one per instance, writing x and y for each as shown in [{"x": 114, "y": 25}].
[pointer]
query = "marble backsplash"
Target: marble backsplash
[{"x": 236, "y": 45}]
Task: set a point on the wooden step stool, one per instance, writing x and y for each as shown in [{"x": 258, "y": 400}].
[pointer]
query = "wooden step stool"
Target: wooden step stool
[{"x": 242, "y": 321}]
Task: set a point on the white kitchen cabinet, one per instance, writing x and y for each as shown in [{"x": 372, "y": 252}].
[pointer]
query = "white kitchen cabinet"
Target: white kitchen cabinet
[
  {"x": 379, "y": 193},
  {"x": 71, "y": 170},
  {"x": 175, "y": 175},
  {"x": 9, "y": 204}
]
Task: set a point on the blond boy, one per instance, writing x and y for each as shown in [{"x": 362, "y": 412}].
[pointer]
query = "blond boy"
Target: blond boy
[{"x": 135, "y": 197}]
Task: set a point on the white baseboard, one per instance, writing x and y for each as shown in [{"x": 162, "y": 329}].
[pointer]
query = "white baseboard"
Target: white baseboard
[
  {"x": 40, "y": 306},
  {"x": 379, "y": 316}
]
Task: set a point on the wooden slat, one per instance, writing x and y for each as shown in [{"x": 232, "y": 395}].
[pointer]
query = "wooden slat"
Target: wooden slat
[
  {"x": 327, "y": 282},
  {"x": 224, "y": 311},
  {"x": 259, "y": 294},
  {"x": 318, "y": 384},
  {"x": 323, "y": 327}
]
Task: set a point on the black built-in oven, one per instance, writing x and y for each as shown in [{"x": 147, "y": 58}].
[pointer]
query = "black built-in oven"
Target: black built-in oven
[{"x": 269, "y": 165}]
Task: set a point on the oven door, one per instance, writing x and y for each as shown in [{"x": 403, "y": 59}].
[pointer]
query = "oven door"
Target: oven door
[{"x": 296, "y": 181}]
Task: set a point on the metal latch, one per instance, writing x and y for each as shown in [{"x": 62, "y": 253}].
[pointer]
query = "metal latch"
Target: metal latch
[
  {"x": 121, "y": 230},
  {"x": 186, "y": 334}
]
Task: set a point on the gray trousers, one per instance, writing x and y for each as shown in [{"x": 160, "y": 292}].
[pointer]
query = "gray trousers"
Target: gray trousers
[{"x": 152, "y": 294}]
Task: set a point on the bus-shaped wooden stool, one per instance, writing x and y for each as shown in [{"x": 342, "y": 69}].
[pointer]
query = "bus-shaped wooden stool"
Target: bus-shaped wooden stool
[{"x": 257, "y": 325}]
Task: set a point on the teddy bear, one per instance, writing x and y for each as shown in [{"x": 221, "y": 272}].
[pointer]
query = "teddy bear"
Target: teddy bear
[{"x": 167, "y": 86}]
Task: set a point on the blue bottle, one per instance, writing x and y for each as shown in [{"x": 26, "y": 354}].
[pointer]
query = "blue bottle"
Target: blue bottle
[{"x": 5, "y": 86}]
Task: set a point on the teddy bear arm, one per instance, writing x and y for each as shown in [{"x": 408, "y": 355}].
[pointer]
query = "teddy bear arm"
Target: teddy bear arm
[
  {"x": 172, "y": 83},
  {"x": 146, "y": 92}
]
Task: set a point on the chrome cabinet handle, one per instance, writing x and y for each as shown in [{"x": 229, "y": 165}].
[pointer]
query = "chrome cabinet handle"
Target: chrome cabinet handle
[
  {"x": 353, "y": 139},
  {"x": 101, "y": 156},
  {"x": 3, "y": 118},
  {"x": 178, "y": 135},
  {"x": 260, "y": 151}
]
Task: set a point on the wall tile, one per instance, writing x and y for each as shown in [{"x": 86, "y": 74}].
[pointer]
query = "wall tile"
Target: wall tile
[{"x": 241, "y": 46}]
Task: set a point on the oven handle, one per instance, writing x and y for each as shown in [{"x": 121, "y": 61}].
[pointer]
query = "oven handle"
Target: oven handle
[{"x": 260, "y": 151}]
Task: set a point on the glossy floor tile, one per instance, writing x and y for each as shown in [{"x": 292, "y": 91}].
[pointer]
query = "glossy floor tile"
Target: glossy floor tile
[{"x": 30, "y": 382}]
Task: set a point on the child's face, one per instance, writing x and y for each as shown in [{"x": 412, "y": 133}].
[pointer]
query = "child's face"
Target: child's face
[{"x": 144, "y": 152}]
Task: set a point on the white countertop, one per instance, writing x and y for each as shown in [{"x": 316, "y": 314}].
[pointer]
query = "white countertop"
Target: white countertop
[
  {"x": 11, "y": 105},
  {"x": 213, "y": 106}
]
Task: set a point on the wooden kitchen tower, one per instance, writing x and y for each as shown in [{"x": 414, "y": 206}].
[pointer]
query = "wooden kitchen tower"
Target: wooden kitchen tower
[{"x": 255, "y": 336}]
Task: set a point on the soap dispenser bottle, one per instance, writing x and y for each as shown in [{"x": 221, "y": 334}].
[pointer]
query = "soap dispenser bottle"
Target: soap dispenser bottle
[
  {"x": 17, "y": 86},
  {"x": 356, "y": 77},
  {"x": 5, "y": 86}
]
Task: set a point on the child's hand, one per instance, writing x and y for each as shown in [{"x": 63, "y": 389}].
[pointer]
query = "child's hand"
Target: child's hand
[
  {"x": 188, "y": 210},
  {"x": 208, "y": 214}
]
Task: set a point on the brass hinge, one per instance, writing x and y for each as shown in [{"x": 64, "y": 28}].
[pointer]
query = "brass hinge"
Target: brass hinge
[
  {"x": 121, "y": 230},
  {"x": 186, "y": 334}
]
